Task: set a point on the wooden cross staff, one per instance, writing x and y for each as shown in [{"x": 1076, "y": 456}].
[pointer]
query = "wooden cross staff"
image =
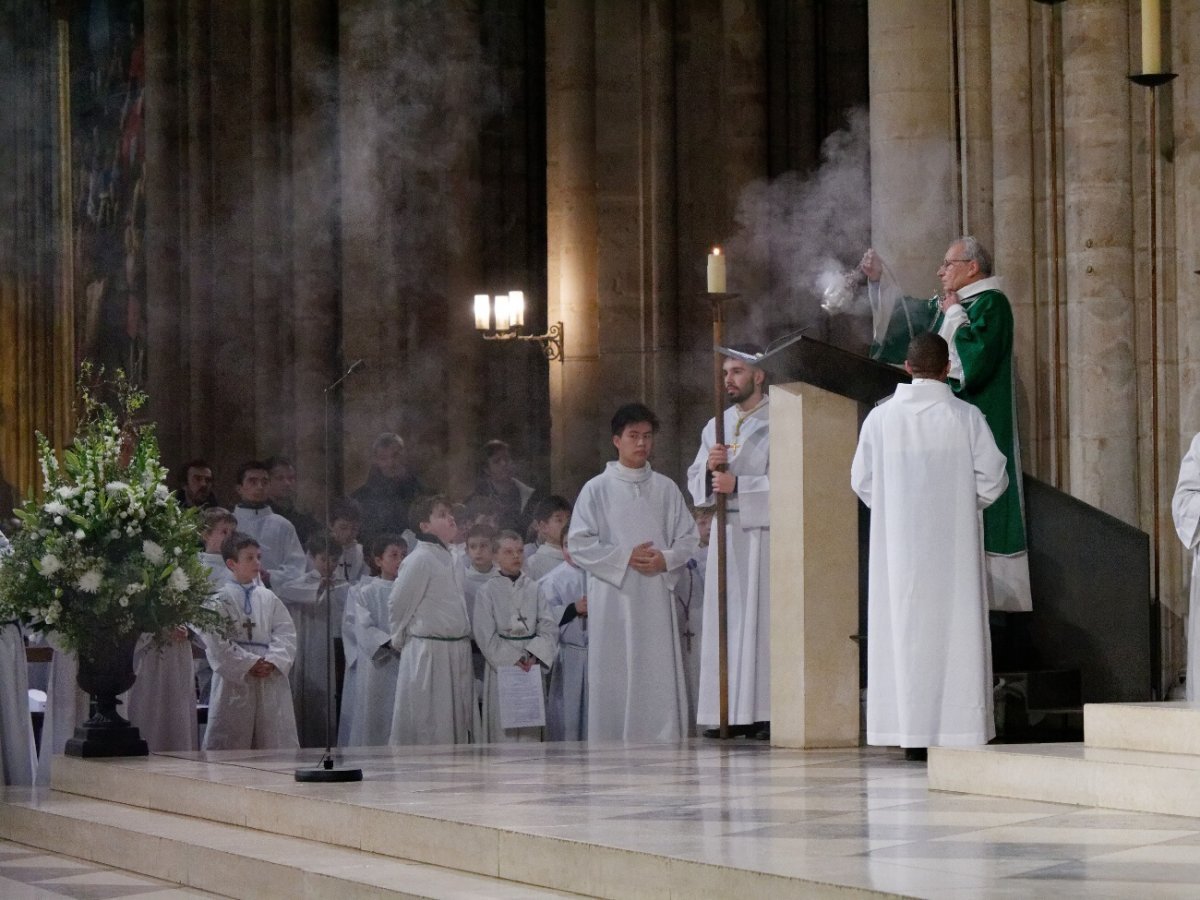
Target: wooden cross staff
[{"x": 717, "y": 300}]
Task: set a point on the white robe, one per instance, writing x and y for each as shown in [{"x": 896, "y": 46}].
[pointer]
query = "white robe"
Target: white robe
[
  {"x": 311, "y": 674},
  {"x": 544, "y": 559},
  {"x": 435, "y": 686},
  {"x": 17, "y": 759},
  {"x": 926, "y": 465},
  {"x": 747, "y": 569},
  {"x": 162, "y": 702},
  {"x": 636, "y": 687},
  {"x": 66, "y": 707},
  {"x": 378, "y": 664},
  {"x": 247, "y": 712},
  {"x": 1185, "y": 510},
  {"x": 689, "y": 611},
  {"x": 511, "y": 619},
  {"x": 282, "y": 554},
  {"x": 566, "y": 700}
]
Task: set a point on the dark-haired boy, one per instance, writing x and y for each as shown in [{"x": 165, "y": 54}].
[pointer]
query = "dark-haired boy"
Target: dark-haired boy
[
  {"x": 550, "y": 517},
  {"x": 282, "y": 552},
  {"x": 251, "y": 706},
  {"x": 435, "y": 687},
  {"x": 631, "y": 532}
]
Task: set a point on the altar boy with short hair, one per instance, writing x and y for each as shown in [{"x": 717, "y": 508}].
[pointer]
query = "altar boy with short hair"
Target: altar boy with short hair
[
  {"x": 550, "y": 518},
  {"x": 514, "y": 626},
  {"x": 251, "y": 706}
]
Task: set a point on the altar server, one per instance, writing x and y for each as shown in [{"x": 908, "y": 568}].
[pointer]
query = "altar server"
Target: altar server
[
  {"x": 565, "y": 592},
  {"x": 378, "y": 665},
  {"x": 305, "y": 598},
  {"x": 282, "y": 553},
  {"x": 550, "y": 519},
  {"x": 1185, "y": 509},
  {"x": 739, "y": 469},
  {"x": 251, "y": 706},
  {"x": 219, "y": 524},
  {"x": 926, "y": 464},
  {"x": 162, "y": 701},
  {"x": 435, "y": 687},
  {"x": 632, "y": 533},
  {"x": 16, "y": 729},
  {"x": 66, "y": 706},
  {"x": 514, "y": 626}
]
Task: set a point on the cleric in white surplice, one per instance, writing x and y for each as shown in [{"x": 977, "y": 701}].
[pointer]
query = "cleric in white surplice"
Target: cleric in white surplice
[
  {"x": 927, "y": 465},
  {"x": 1185, "y": 511}
]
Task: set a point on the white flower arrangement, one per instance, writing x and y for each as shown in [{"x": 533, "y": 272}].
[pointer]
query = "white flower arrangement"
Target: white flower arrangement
[{"x": 92, "y": 557}]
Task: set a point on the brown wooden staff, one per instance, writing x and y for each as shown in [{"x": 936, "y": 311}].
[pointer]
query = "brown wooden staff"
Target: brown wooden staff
[{"x": 718, "y": 311}]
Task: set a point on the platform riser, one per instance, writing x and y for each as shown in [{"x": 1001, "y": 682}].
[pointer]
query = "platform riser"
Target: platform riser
[
  {"x": 1159, "y": 728},
  {"x": 1138, "y": 788}
]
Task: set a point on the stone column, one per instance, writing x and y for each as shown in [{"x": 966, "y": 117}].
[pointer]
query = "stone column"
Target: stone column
[
  {"x": 975, "y": 98},
  {"x": 914, "y": 193},
  {"x": 575, "y": 394},
  {"x": 1099, "y": 257}
]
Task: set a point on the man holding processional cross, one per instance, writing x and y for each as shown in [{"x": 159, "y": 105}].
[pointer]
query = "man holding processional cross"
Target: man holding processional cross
[{"x": 738, "y": 470}]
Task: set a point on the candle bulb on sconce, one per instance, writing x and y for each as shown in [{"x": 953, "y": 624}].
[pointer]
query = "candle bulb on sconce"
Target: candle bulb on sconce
[
  {"x": 498, "y": 318},
  {"x": 716, "y": 272}
]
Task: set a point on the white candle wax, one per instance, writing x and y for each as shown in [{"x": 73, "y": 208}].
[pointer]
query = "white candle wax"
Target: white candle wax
[
  {"x": 1151, "y": 37},
  {"x": 716, "y": 272}
]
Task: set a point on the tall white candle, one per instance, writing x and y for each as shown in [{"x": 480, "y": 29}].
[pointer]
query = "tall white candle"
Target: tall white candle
[
  {"x": 503, "y": 322},
  {"x": 716, "y": 272},
  {"x": 1151, "y": 37},
  {"x": 516, "y": 308},
  {"x": 483, "y": 312}
]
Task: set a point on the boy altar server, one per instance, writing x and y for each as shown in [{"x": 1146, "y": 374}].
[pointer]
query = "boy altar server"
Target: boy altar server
[
  {"x": 378, "y": 665},
  {"x": 251, "y": 706},
  {"x": 631, "y": 532},
  {"x": 550, "y": 518},
  {"x": 565, "y": 593},
  {"x": 926, "y": 464},
  {"x": 282, "y": 553},
  {"x": 513, "y": 627},
  {"x": 435, "y": 688},
  {"x": 162, "y": 702}
]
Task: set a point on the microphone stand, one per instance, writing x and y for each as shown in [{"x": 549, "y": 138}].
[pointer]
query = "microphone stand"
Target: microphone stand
[{"x": 325, "y": 771}]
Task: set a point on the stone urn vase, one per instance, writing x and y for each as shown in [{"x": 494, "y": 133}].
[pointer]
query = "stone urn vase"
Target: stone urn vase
[{"x": 105, "y": 672}]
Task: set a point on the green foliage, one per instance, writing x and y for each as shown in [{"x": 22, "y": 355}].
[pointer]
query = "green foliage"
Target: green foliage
[{"x": 107, "y": 548}]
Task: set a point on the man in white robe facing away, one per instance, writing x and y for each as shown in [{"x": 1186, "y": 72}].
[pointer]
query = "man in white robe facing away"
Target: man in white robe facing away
[
  {"x": 632, "y": 533},
  {"x": 746, "y": 485},
  {"x": 927, "y": 465},
  {"x": 1185, "y": 510},
  {"x": 282, "y": 554},
  {"x": 435, "y": 683}
]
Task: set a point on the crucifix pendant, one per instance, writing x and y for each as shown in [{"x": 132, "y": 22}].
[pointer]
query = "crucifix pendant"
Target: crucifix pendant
[
  {"x": 249, "y": 626},
  {"x": 524, "y": 622},
  {"x": 687, "y": 636}
]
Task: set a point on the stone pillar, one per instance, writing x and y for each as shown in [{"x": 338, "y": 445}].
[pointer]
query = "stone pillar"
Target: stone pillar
[
  {"x": 576, "y": 396},
  {"x": 1014, "y": 198},
  {"x": 914, "y": 194},
  {"x": 975, "y": 98},
  {"x": 1099, "y": 257}
]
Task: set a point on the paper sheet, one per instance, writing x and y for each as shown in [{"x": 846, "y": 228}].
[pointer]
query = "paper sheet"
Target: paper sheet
[{"x": 522, "y": 704}]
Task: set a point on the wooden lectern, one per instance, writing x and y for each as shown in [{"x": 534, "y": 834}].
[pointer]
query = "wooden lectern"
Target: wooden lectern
[{"x": 819, "y": 395}]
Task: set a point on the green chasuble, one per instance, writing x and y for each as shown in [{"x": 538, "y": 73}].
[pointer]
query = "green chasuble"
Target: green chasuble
[{"x": 983, "y": 344}]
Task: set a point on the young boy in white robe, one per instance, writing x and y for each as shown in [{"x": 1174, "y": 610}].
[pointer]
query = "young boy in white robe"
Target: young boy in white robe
[
  {"x": 514, "y": 626},
  {"x": 632, "y": 533},
  {"x": 306, "y": 598},
  {"x": 435, "y": 688},
  {"x": 282, "y": 552},
  {"x": 549, "y": 519},
  {"x": 219, "y": 525},
  {"x": 16, "y": 729},
  {"x": 565, "y": 592},
  {"x": 378, "y": 665},
  {"x": 481, "y": 551},
  {"x": 251, "y": 706}
]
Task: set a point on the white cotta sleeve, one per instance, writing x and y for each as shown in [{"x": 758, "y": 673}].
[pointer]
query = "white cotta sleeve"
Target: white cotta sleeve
[
  {"x": 598, "y": 557},
  {"x": 684, "y": 537},
  {"x": 991, "y": 479},
  {"x": 697, "y": 474},
  {"x": 1185, "y": 504},
  {"x": 281, "y": 651},
  {"x": 545, "y": 645},
  {"x": 410, "y": 586},
  {"x": 862, "y": 466}
]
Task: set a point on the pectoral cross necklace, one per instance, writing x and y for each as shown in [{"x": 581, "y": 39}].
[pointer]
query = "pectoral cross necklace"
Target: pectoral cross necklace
[
  {"x": 521, "y": 618},
  {"x": 688, "y": 634},
  {"x": 737, "y": 428}
]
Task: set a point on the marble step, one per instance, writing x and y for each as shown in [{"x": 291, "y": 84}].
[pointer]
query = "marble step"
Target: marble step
[
  {"x": 230, "y": 860},
  {"x": 1136, "y": 780},
  {"x": 1167, "y": 727}
]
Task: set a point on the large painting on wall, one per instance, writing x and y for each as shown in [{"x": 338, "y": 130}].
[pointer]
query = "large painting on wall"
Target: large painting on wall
[{"x": 107, "y": 64}]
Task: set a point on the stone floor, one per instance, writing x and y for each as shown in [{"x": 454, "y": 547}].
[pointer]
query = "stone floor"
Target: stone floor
[
  {"x": 859, "y": 819},
  {"x": 30, "y": 874}
]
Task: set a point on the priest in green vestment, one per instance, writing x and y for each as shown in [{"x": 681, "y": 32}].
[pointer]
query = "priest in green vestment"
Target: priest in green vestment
[{"x": 974, "y": 316}]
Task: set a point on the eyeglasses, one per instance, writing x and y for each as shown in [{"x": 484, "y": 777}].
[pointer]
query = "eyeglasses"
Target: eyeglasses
[{"x": 947, "y": 263}]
